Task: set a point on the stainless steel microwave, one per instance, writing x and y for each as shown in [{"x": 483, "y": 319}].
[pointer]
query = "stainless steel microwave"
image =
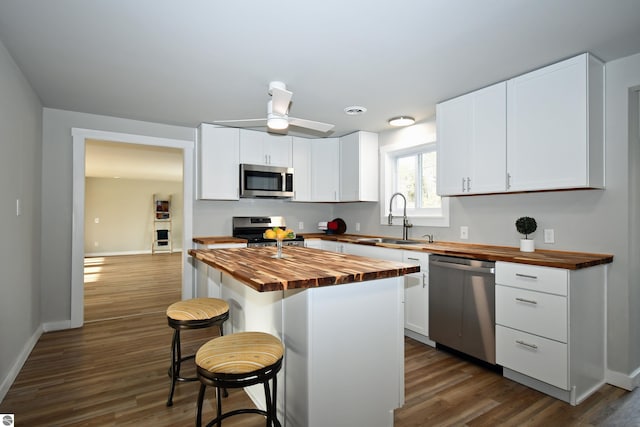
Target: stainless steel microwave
[{"x": 266, "y": 181}]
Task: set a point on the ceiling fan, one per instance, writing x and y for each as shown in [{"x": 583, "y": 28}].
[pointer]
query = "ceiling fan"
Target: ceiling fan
[{"x": 278, "y": 118}]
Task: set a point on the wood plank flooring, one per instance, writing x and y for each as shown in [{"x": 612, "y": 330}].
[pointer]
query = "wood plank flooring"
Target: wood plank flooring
[
  {"x": 114, "y": 373},
  {"x": 130, "y": 285}
]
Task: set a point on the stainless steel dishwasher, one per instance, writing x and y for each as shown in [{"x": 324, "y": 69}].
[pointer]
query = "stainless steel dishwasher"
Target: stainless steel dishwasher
[{"x": 462, "y": 305}]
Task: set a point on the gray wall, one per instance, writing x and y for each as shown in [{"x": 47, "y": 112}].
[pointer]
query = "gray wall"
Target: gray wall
[
  {"x": 20, "y": 178},
  {"x": 604, "y": 221}
]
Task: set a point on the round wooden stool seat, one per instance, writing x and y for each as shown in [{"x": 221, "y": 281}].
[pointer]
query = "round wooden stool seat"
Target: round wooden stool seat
[
  {"x": 196, "y": 313},
  {"x": 236, "y": 361},
  {"x": 197, "y": 309}
]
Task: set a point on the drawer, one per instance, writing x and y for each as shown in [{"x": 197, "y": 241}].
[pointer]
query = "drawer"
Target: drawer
[
  {"x": 534, "y": 312},
  {"x": 533, "y": 277},
  {"x": 537, "y": 357}
]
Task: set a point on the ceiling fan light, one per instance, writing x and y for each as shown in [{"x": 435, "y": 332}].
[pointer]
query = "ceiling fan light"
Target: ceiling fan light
[
  {"x": 402, "y": 121},
  {"x": 277, "y": 123}
]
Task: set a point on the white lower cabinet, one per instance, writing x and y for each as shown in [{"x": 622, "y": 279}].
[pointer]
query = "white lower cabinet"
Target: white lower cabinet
[
  {"x": 532, "y": 355},
  {"x": 550, "y": 328},
  {"x": 416, "y": 297},
  {"x": 416, "y": 285}
]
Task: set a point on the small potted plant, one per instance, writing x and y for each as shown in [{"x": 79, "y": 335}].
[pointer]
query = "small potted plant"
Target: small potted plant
[{"x": 526, "y": 225}]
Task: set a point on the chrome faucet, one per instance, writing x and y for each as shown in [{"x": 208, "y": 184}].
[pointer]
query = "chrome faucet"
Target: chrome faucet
[{"x": 405, "y": 221}]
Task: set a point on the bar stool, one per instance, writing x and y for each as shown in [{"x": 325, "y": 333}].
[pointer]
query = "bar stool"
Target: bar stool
[
  {"x": 196, "y": 313},
  {"x": 236, "y": 361}
]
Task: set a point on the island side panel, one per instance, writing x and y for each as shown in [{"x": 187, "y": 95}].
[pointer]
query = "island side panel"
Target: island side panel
[{"x": 355, "y": 354}]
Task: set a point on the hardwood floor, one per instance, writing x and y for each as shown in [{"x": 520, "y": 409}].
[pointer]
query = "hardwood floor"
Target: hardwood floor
[
  {"x": 130, "y": 285},
  {"x": 114, "y": 373}
]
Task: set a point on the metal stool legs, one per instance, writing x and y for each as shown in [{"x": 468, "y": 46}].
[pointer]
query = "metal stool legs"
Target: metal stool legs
[
  {"x": 177, "y": 359},
  {"x": 240, "y": 381}
]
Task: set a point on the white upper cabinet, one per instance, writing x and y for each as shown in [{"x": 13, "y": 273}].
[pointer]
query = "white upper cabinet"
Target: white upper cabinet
[
  {"x": 325, "y": 170},
  {"x": 472, "y": 142},
  {"x": 359, "y": 167},
  {"x": 262, "y": 148},
  {"x": 553, "y": 120},
  {"x": 301, "y": 152},
  {"x": 218, "y": 162},
  {"x": 555, "y": 127}
]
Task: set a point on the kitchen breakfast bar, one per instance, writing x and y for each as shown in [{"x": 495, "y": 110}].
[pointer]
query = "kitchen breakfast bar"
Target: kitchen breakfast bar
[{"x": 340, "y": 318}]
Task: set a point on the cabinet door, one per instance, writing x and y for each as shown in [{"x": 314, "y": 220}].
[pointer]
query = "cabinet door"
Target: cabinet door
[
  {"x": 416, "y": 294},
  {"x": 325, "y": 169},
  {"x": 454, "y": 123},
  {"x": 262, "y": 148},
  {"x": 488, "y": 162},
  {"x": 252, "y": 148},
  {"x": 218, "y": 162},
  {"x": 359, "y": 167},
  {"x": 301, "y": 154},
  {"x": 547, "y": 127},
  {"x": 277, "y": 149},
  {"x": 472, "y": 142}
]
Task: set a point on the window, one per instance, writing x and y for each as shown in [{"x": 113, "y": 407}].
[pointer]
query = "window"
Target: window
[{"x": 411, "y": 170}]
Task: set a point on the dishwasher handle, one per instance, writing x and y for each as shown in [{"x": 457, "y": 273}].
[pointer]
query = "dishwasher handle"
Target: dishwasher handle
[{"x": 456, "y": 266}]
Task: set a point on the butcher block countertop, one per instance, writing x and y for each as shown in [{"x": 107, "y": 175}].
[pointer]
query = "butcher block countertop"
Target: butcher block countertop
[
  {"x": 300, "y": 269},
  {"x": 545, "y": 258}
]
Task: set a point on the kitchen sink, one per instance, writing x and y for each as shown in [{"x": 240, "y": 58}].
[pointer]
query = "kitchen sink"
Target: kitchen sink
[{"x": 388, "y": 240}]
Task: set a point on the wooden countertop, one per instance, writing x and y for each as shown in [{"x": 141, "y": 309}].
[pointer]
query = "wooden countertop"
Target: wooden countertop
[
  {"x": 302, "y": 268},
  {"x": 217, "y": 240},
  {"x": 546, "y": 258}
]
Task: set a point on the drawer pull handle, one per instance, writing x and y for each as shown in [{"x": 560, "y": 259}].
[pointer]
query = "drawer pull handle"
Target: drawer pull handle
[
  {"x": 413, "y": 259},
  {"x": 526, "y": 344},
  {"x": 528, "y": 301},
  {"x": 527, "y": 276}
]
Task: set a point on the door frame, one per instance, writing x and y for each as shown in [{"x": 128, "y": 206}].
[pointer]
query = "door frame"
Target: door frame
[{"x": 77, "y": 240}]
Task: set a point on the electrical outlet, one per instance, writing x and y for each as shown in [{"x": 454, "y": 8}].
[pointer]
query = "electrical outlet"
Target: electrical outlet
[
  {"x": 96, "y": 220},
  {"x": 301, "y": 225},
  {"x": 357, "y": 226},
  {"x": 549, "y": 235},
  {"x": 464, "y": 232}
]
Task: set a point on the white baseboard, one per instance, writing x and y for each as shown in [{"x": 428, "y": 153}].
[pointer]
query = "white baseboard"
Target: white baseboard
[
  {"x": 17, "y": 366},
  {"x": 419, "y": 337},
  {"x": 625, "y": 381},
  {"x": 56, "y": 326},
  {"x": 145, "y": 252}
]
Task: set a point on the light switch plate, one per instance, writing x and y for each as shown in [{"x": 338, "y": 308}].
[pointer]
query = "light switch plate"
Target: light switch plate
[
  {"x": 464, "y": 232},
  {"x": 301, "y": 225}
]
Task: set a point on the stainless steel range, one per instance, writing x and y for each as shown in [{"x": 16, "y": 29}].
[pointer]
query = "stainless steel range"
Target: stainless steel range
[{"x": 252, "y": 228}]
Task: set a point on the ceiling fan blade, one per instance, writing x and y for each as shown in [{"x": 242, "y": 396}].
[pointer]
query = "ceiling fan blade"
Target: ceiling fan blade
[
  {"x": 310, "y": 124},
  {"x": 280, "y": 99},
  {"x": 241, "y": 122}
]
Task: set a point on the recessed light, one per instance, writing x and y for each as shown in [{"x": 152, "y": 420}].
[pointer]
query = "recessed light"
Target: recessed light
[
  {"x": 402, "y": 121},
  {"x": 355, "y": 110}
]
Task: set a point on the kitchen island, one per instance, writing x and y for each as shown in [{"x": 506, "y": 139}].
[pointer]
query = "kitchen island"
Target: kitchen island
[{"x": 340, "y": 318}]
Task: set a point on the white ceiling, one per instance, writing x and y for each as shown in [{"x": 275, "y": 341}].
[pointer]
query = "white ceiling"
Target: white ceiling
[{"x": 192, "y": 61}]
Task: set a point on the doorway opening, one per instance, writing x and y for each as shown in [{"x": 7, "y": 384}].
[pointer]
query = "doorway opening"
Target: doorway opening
[
  {"x": 80, "y": 138},
  {"x": 131, "y": 190}
]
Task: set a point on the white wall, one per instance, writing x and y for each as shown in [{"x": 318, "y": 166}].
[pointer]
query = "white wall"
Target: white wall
[
  {"x": 125, "y": 212},
  {"x": 20, "y": 178},
  {"x": 604, "y": 221}
]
